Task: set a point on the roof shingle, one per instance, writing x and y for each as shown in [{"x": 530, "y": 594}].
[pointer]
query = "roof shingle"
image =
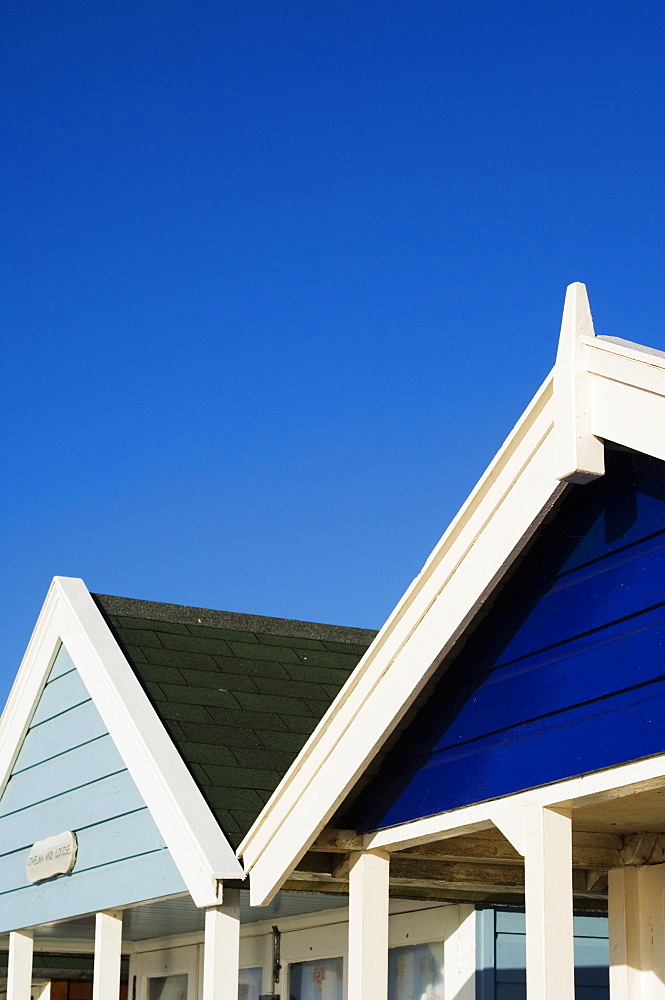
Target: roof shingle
[{"x": 238, "y": 694}]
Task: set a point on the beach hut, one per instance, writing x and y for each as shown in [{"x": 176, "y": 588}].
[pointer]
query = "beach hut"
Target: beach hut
[{"x": 504, "y": 735}]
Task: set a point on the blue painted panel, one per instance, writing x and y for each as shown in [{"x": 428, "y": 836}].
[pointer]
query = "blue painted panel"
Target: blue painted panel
[
  {"x": 485, "y": 955},
  {"x": 580, "y": 740},
  {"x": 502, "y": 956},
  {"x": 565, "y": 675},
  {"x": 113, "y": 796},
  {"x": 62, "y": 664},
  {"x": 60, "y": 695},
  {"x": 607, "y": 591},
  {"x": 130, "y": 881},
  {"x": 69, "y": 776},
  {"x": 73, "y": 769},
  {"x": 79, "y": 725},
  {"x": 589, "y": 668},
  {"x": 101, "y": 844}
]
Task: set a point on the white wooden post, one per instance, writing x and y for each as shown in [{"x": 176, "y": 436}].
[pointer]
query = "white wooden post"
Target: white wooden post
[
  {"x": 221, "y": 953},
  {"x": 368, "y": 925},
  {"x": 19, "y": 971},
  {"x": 548, "y": 886},
  {"x": 636, "y": 908},
  {"x": 459, "y": 954},
  {"x": 108, "y": 949}
]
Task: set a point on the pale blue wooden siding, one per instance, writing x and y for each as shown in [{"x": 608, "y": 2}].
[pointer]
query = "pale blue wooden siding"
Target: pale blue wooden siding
[
  {"x": 69, "y": 776},
  {"x": 502, "y": 956}
]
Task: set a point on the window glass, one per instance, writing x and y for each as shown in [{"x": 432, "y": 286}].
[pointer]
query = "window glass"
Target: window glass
[
  {"x": 168, "y": 987},
  {"x": 319, "y": 980},
  {"x": 249, "y": 984},
  {"x": 416, "y": 972}
]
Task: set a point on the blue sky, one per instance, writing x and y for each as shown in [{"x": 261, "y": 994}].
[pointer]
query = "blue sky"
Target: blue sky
[{"x": 280, "y": 277}]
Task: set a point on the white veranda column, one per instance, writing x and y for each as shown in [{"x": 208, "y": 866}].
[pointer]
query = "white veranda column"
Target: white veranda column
[
  {"x": 548, "y": 890},
  {"x": 19, "y": 971},
  {"x": 459, "y": 953},
  {"x": 108, "y": 949},
  {"x": 368, "y": 925},
  {"x": 636, "y": 909},
  {"x": 221, "y": 951}
]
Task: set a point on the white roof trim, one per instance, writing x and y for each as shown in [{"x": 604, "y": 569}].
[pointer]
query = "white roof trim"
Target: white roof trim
[
  {"x": 598, "y": 390},
  {"x": 198, "y": 847}
]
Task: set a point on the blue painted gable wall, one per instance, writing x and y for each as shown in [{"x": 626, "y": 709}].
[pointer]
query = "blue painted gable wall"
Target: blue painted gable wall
[
  {"x": 565, "y": 675},
  {"x": 69, "y": 776}
]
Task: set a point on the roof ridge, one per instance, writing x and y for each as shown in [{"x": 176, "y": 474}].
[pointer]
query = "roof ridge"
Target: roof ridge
[{"x": 182, "y": 614}]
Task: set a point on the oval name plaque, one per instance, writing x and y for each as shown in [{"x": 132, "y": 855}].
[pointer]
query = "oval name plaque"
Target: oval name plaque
[{"x": 51, "y": 857}]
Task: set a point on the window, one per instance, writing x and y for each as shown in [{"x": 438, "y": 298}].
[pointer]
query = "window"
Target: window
[
  {"x": 249, "y": 984},
  {"x": 168, "y": 987},
  {"x": 415, "y": 972},
  {"x": 322, "y": 979}
]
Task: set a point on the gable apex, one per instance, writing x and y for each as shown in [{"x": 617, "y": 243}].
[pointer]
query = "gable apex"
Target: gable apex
[
  {"x": 598, "y": 391},
  {"x": 70, "y": 618}
]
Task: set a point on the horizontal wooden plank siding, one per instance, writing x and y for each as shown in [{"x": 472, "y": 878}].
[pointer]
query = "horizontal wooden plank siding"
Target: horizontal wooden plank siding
[
  {"x": 69, "y": 776},
  {"x": 565, "y": 675},
  {"x": 502, "y": 957}
]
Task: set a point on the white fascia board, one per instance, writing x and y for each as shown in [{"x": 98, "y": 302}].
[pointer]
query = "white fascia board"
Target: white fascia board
[
  {"x": 627, "y": 384},
  {"x": 517, "y": 491},
  {"x": 199, "y": 849},
  {"x": 28, "y": 685}
]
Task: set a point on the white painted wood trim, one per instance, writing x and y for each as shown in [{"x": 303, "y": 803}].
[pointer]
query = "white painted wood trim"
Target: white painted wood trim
[
  {"x": 221, "y": 954},
  {"x": 548, "y": 896},
  {"x": 108, "y": 952},
  {"x": 70, "y": 616},
  {"x": 28, "y": 684},
  {"x": 614, "y": 401},
  {"x": 368, "y": 926},
  {"x": 624, "y": 931},
  {"x": 19, "y": 969},
  {"x": 636, "y": 906},
  {"x": 579, "y": 453},
  {"x": 459, "y": 952}
]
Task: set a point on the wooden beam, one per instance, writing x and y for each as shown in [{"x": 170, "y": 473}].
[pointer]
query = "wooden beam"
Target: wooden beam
[
  {"x": 442, "y": 876},
  {"x": 643, "y": 849},
  {"x": 599, "y": 851},
  {"x": 590, "y": 850},
  {"x": 337, "y": 841}
]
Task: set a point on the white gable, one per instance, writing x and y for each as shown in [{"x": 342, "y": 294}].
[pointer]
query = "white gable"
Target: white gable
[
  {"x": 600, "y": 390},
  {"x": 117, "y": 706}
]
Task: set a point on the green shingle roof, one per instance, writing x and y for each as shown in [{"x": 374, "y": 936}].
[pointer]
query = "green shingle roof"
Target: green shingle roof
[{"x": 238, "y": 694}]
